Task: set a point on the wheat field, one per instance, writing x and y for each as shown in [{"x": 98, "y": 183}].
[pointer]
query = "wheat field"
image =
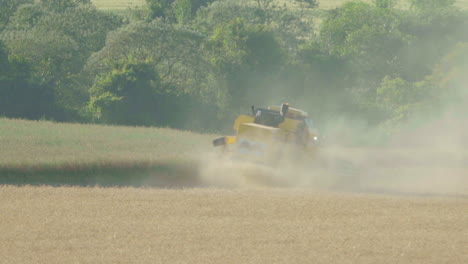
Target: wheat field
[{"x": 129, "y": 225}]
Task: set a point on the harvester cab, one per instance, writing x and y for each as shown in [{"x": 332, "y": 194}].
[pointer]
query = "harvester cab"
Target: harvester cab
[{"x": 270, "y": 130}]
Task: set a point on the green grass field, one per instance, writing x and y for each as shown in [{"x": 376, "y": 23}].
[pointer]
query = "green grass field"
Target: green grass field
[
  {"x": 40, "y": 143},
  {"x": 325, "y": 4},
  {"x": 41, "y": 149}
]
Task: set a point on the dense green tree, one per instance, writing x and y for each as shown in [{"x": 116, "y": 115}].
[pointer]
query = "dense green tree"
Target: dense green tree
[
  {"x": 26, "y": 17},
  {"x": 56, "y": 46},
  {"x": 288, "y": 24},
  {"x": 433, "y": 33},
  {"x": 427, "y": 5},
  {"x": 3, "y": 57},
  {"x": 49, "y": 53},
  {"x": 181, "y": 11},
  {"x": 175, "y": 52},
  {"x": 445, "y": 89},
  {"x": 385, "y": 3},
  {"x": 400, "y": 98},
  {"x": 246, "y": 59},
  {"x": 20, "y": 94},
  {"x": 63, "y": 5},
  {"x": 87, "y": 26},
  {"x": 185, "y": 63},
  {"x": 450, "y": 77},
  {"x": 175, "y": 55},
  {"x": 222, "y": 12},
  {"x": 321, "y": 82},
  {"x": 131, "y": 94},
  {"x": 8, "y": 8},
  {"x": 125, "y": 95},
  {"x": 368, "y": 36},
  {"x": 158, "y": 8},
  {"x": 308, "y": 3}
]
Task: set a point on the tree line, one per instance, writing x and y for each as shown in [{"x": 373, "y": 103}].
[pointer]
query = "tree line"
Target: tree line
[{"x": 195, "y": 64}]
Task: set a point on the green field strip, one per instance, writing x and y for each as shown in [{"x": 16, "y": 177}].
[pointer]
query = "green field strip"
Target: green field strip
[{"x": 157, "y": 174}]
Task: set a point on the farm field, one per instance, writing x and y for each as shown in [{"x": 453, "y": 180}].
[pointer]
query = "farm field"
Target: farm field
[
  {"x": 130, "y": 225},
  {"x": 41, "y": 143},
  {"x": 327, "y": 4},
  {"x": 385, "y": 181},
  {"x": 56, "y": 210},
  {"x": 41, "y": 152}
]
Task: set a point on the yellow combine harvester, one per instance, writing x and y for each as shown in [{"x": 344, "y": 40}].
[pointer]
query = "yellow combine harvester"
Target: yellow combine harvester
[{"x": 268, "y": 134}]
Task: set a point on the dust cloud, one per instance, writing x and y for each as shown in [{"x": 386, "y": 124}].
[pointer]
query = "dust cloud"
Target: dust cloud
[
  {"x": 430, "y": 158},
  {"x": 427, "y": 154}
]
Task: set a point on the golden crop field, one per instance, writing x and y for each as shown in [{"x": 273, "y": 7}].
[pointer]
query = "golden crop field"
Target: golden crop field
[{"x": 127, "y": 225}]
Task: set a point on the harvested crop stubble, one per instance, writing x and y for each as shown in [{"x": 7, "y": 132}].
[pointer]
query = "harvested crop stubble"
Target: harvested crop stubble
[{"x": 122, "y": 225}]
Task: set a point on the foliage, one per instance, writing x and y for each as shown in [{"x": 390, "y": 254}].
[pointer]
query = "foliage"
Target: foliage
[
  {"x": 125, "y": 95},
  {"x": 322, "y": 81},
  {"x": 176, "y": 57},
  {"x": 56, "y": 44},
  {"x": 173, "y": 51},
  {"x": 426, "y": 5},
  {"x": 451, "y": 78},
  {"x": 309, "y": 3},
  {"x": 8, "y": 8},
  {"x": 370, "y": 37},
  {"x": 49, "y": 53},
  {"x": 385, "y": 3},
  {"x": 26, "y": 17},
  {"x": 400, "y": 98},
  {"x": 85, "y": 25},
  {"x": 158, "y": 8},
  {"x": 20, "y": 94},
  {"x": 206, "y": 60},
  {"x": 435, "y": 32},
  {"x": 63, "y": 5},
  {"x": 444, "y": 89},
  {"x": 181, "y": 11},
  {"x": 289, "y": 25},
  {"x": 244, "y": 56}
]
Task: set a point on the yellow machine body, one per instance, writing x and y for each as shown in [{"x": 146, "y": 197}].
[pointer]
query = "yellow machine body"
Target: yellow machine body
[
  {"x": 243, "y": 119},
  {"x": 269, "y": 131},
  {"x": 293, "y": 113}
]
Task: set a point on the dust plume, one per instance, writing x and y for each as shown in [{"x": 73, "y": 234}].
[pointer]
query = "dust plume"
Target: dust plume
[
  {"x": 430, "y": 158},
  {"x": 424, "y": 153}
]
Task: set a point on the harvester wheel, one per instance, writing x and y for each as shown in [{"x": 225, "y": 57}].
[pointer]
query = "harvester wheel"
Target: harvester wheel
[{"x": 219, "y": 142}]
